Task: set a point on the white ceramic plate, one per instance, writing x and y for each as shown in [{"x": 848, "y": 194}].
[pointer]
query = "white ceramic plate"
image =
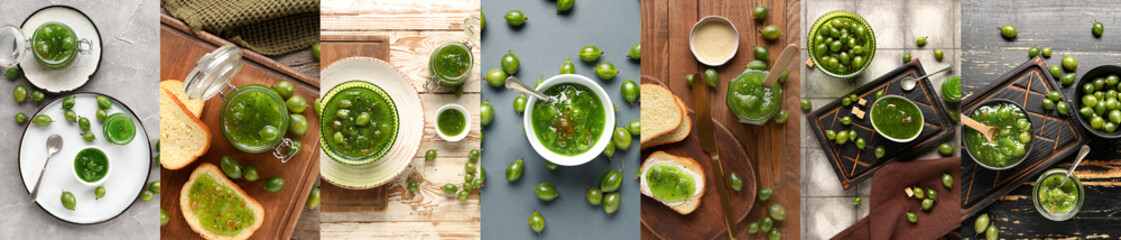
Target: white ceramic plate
[
  {"x": 129, "y": 164},
  {"x": 604, "y": 137},
  {"x": 83, "y": 68},
  {"x": 410, "y": 112}
]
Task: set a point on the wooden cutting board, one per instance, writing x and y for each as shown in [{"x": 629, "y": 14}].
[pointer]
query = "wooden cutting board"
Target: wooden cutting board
[
  {"x": 707, "y": 222},
  {"x": 334, "y": 48},
  {"x": 179, "y": 50},
  {"x": 1055, "y": 136},
  {"x": 854, "y": 165},
  {"x": 775, "y": 150}
]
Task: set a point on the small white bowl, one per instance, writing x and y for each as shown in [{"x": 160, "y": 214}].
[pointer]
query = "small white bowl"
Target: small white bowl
[
  {"x": 717, "y": 20},
  {"x": 99, "y": 181},
  {"x": 466, "y": 122},
  {"x": 922, "y": 119},
  {"x": 604, "y": 137}
]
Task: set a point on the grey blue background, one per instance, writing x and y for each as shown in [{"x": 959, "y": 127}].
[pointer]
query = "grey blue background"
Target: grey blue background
[
  {"x": 542, "y": 44},
  {"x": 129, "y": 72}
]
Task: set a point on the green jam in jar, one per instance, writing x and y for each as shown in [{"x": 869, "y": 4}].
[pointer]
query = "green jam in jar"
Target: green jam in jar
[
  {"x": 450, "y": 64},
  {"x": 55, "y": 45},
  {"x": 254, "y": 118},
  {"x": 119, "y": 128}
]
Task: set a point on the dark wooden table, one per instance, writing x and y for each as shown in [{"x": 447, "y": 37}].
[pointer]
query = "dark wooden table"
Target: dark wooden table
[
  {"x": 1065, "y": 27},
  {"x": 774, "y": 149}
]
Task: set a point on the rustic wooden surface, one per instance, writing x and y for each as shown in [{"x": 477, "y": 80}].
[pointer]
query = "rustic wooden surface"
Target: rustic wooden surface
[
  {"x": 1056, "y": 137},
  {"x": 826, "y": 206},
  {"x": 773, "y": 148},
  {"x": 179, "y": 50},
  {"x": 707, "y": 221},
  {"x": 853, "y": 165},
  {"x": 413, "y": 28},
  {"x": 1065, "y": 27}
]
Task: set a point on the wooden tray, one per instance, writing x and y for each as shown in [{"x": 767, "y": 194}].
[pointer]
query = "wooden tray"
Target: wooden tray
[
  {"x": 707, "y": 222},
  {"x": 853, "y": 165},
  {"x": 335, "y": 198},
  {"x": 179, "y": 50},
  {"x": 1056, "y": 136}
]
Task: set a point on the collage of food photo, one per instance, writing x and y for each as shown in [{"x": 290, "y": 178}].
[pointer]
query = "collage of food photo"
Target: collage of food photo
[{"x": 615, "y": 119}]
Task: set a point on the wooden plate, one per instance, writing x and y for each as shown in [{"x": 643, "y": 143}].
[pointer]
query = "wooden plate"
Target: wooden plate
[
  {"x": 707, "y": 222},
  {"x": 179, "y": 50},
  {"x": 854, "y": 165},
  {"x": 1055, "y": 136}
]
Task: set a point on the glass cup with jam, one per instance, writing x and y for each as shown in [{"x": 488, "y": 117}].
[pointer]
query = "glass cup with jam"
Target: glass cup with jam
[
  {"x": 450, "y": 64},
  {"x": 53, "y": 44},
  {"x": 254, "y": 117}
]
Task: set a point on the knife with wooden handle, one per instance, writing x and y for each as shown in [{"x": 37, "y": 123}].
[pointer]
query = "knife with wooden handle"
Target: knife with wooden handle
[{"x": 706, "y": 131}]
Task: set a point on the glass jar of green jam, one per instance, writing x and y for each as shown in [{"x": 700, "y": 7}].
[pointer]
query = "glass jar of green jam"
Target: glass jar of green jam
[
  {"x": 53, "y": 44},
  {"x": 451, "y": 63},
  {"x": 254, "y": 117}
]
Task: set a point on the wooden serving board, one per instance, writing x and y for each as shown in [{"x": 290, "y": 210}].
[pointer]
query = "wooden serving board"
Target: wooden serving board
[
  {"x": 334, "y": 48},
  {"x": 853, "y": 165},
  {"x": 179, "y": 50},
  {"x": 1056, "y": 136},
  {"x": 774, "y": 149},
  {"x": 707, "y": 221}
]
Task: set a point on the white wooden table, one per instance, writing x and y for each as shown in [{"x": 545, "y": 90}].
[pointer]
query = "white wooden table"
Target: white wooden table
[{"x": 414, "y": 28}]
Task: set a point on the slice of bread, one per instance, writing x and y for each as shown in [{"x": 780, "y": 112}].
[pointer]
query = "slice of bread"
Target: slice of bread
[
  {"x": 688, "y": 164},
  {"x": 183, "y": 137},
  {"x": 677, "y": 134},
  {"x": 176, "y": 89},
  {"x": 660, "y": 112},
  {"x": 208, "y": 169}
]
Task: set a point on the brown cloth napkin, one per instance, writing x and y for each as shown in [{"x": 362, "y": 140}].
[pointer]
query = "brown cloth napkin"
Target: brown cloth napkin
[
  {"x": 889, "y": 203},
  {"x": 269, "y": 27}
]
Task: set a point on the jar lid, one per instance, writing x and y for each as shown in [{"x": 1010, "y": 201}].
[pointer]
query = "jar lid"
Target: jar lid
[
  {"x": 471, "y": 27},
  {"x": 13, "y": 45},
  {"x": 213, "y": 73}
]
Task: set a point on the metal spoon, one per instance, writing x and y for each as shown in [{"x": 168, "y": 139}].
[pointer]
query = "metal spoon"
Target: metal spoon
[
  {"x": 54, "y": 143},
  {"x": 1081, "y": 154},
  {"x": 908, "y": 83},
  {"x": 515, "y": 84}
]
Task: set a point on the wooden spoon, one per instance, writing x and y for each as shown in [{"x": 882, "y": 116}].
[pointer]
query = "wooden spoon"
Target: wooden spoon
[{"x": 986, "y": 131}]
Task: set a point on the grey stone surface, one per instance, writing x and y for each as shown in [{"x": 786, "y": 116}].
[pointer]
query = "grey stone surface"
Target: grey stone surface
[
  {"x": 542, "y": 44},
  {"x": 827, "y": 207},
  {"x": 129, "y": 71}
]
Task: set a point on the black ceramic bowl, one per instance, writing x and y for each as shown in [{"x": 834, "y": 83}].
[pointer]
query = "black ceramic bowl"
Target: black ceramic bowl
[
  {"x": 1027, "y": 151},
  {"x": 1076, "y": 100}
]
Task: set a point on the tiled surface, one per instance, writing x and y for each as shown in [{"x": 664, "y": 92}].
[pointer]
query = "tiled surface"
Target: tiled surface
[{"x": 827, "y": 207}]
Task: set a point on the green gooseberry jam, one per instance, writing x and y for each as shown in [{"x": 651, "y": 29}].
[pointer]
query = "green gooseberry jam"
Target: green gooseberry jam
[
  {"x": 360, "y": 122},
  {"x": 897, "y": 118},
  {"x": 571, "y": 125},
  {"x": 253, "y": 118},
  {"x": 450, "y": 64},
  {"x": 91, "y": 165},
  {"x": 750, "y": 100},
  {"x": 1011, "y": 141},
  {"x": 218, "y": 207},
  {"x": 669, "y": 183},
  {"x": 451, "y": 122},
  {"x": 119, "y": 128},
  {"x": 55, "y": 45}
]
